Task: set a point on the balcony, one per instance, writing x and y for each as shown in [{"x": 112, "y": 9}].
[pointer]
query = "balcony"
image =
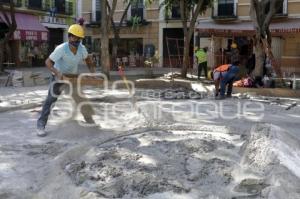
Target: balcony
[
  {"x": 18, "y": 3},
  {"x": 53, "y": 20},
  {"x": 224, "y": 11}
]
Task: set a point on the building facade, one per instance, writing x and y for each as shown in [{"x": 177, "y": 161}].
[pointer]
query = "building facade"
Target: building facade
[
  {"x": 136, "y": 41},
  {"x": 41, "y": 25},
  {"x": 229, "y": 21},
  {"x": 156, "y": 33}
]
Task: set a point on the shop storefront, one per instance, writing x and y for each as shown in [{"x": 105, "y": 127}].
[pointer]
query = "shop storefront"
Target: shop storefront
[
  {"x": 218, "y": 37},
  {"x": 28, "y": 46}
]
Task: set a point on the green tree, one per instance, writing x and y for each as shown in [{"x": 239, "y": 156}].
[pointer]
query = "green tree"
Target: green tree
[
  {"x": 262, "y": 12},
  {"x": 189, "y": 10}
]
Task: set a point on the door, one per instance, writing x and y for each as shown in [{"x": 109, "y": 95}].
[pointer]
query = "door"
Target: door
[
  {"x": 56, "y": 37},
  {"x": 277, "y": 47}
]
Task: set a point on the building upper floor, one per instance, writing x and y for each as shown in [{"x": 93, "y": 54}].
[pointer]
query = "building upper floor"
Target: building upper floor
[
  {"x": 51, "y": 7},
  {"x": 90, "y": 10},
  {"x": 233, "y": 9},
  {"x": 221, "y": 10}
]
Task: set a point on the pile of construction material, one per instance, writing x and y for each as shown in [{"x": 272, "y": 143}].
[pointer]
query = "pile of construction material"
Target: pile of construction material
[{"x": 17, "y": 78}]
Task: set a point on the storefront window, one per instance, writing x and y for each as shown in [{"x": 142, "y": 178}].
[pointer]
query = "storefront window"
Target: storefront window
[
  {"x": 33, "y": 53},
  {"x": 130, "y": 46}
]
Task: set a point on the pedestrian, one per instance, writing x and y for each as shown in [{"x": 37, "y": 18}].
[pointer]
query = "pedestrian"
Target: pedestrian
[
  {"x": 224, "y": 76},
  {"x": 65, "y": 60},
  {"x": 201, "y": 55}
]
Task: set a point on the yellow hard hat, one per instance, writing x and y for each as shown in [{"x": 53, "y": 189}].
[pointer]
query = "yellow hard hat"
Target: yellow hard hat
[
  {"x": 210, "y": 74},
  {"x": 76, "y": 30},
  {"x": 233, "y": 45}
]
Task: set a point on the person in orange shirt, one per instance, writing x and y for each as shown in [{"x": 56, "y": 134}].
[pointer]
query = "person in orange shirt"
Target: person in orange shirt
[{"x": 224, "y": 76}]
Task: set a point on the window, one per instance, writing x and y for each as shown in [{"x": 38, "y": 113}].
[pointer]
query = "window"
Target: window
[
  {"x": 281, "y": 10},
  {"x": 98, "y": 10},
  {"x": 46, "y": 5},
  {"x": 4, "y": 1},
  {"x": 35, "y": 4},
  {"x": 18, "y": 3},
  {"x": 69, "y": 8},
  {"x": 60, "y": 6},
  {"x": 125, "y": 46},
  {"x": 224, "y": 8},
  {"x": 137, "y": 9},
  {"x": 176, "y": 11}
]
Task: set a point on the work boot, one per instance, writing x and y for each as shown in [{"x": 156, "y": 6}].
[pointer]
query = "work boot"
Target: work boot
[
  {"x": 228, "y": 96},
  {"x": 41, "y": 132}
]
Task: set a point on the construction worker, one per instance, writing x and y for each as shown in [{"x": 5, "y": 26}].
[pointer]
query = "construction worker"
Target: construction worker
[
  {"x": 201, "y": 55},
  {"x": 223, "y": 76},
  {"x": 64, "y": 60}
]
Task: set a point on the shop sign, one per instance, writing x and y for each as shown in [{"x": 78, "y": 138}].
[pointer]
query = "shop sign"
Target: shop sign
[{"x": 30, "y": 35}]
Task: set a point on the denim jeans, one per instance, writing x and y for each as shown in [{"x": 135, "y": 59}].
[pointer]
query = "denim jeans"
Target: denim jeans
[
  {"x": 228, "y": 79},
  {"x": 54, "y": 91}
]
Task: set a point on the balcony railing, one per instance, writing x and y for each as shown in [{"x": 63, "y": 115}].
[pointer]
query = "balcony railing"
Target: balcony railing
[
  {"x": 53, "y": 20},
  {"x": 18, "y": 3},
  {"x": 224, "y": 11}
]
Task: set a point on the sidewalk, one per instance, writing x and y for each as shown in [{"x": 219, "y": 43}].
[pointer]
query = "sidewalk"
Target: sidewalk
[
  {"x": 83, "y": 69},
  {"x": 131, "y": 73},
  {"x": 140, "y": 73}
]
